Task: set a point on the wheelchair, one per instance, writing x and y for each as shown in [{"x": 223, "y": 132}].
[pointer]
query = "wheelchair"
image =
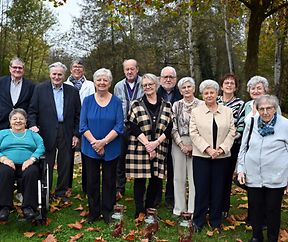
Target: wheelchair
[{"x": 43, "y": 191}]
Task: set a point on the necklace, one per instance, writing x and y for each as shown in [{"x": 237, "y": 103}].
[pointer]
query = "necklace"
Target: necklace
[{"x": 18, "y": 137}]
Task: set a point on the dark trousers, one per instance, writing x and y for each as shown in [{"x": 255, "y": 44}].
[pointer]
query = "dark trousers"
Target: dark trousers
[
  {"x": 209, "y": 180},
  {"x": 108, "y": 198},
  {"x": 265, "y": 203},
  {"x": 28, "y": 185},
  {"x": 121, "y": 176},
  {"x": 230, "y": 171},
  {"x": 64, "y": 163},
  {"x": 169, "y": 193},
  {"x": 141, "y": 203}
]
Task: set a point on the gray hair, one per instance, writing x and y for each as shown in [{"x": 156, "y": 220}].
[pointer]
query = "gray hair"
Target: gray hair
[
  {"x": 103, "y": 72},
  {"x": 258, "y": 79},
  {"x": 183, "y": 80},
  {"x": 271, "y": 99},
  {"x": 77, "y": 62},
  {"x": 208, "y": 84},
  {"x": 58, "y": 64},
  {"x": 151, "y": 77},
  {"x": 17, "y": 110},
  {"x": 18, "y": 61},
  {"x": 168, "y": 68},
  {"x": 126, "y": 60}
]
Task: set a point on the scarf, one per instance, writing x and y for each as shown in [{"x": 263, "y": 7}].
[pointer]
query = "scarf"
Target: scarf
[
  {"x": 265, "y": 129},
  {"x": 77, "y": 83}
]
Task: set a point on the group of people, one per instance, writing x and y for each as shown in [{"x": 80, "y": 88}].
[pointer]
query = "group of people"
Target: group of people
[{"x": 150, "y": 127}]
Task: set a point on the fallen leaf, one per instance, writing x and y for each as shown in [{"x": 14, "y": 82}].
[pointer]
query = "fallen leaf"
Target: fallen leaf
[
  {"x": 162, "y": 240},
  {"x": 243, "y": 205},
  {"x": 169, "y": 222},
  {"x": 283, "y": 234},
  {"x": 144, "y": 240},
  {"x": 97, "y": 229},
  {"x": 79, "y": 208},
  {"x": 241, "y": 217},
  {"x": 58, "y": 229},
  {"x": 29, "y": 234},
  {"x": 230, "y": 227},
  {"x": 239, "y": 240},
  {"x": 75, "y": 237},
  {"x": 82, "y": 221},
  {"x": 248, "y": 227},
  {"x": 41, "y": 235},
  {"x": 53, "y": 209},
  {"x": 129, "y": 199},
  {"x": 76, "y": 225},
  {"x": 244, "y": 198},
  {"x": 48, "y": 221},
  {"x": 130, "y": 236},
  {"x": 84, "y": 214},
  {"x": 210, "y": 233},
  {"x": 140, "y": 219},
  {"x": 78, "y": 196},
  {"x": 50, "y": 238},
  {"x": 100, "y": 239},
  {"x": 68, "y": 193}
]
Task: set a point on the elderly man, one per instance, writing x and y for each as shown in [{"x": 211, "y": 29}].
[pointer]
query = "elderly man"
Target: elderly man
[
  {"x": 54, "y": 113},
  {"x": 170, "y": 93},
  {"x": 16, "y": 91},
  {"x": 85, "y": 88},
  {"x": 127, "y": 90}
]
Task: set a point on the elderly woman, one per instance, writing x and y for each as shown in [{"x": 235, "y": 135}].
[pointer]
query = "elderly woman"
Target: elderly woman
[
  {"x": 229, "y": 84},
  {"x": 182, "y": 146},
  {"x": 257, "y": 86},
  {"x": 20, "y": 149},
  {"x": 101, "y": 122},
  {"x": 149, "y": 121},
  {"x": 212, "y": 132},
  {"x": 263, "y": 167}
]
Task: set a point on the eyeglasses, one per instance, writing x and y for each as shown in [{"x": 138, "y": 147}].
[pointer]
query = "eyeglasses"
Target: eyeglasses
[
  {"x": 267, "y": 109},
  {"x": 17, "y": 67},
  {"x": 148, "y": 85},
  {"x": 229, "y": 83},
  {"x": 168, "y": 77},
  {"x": 77, "y": 67}
]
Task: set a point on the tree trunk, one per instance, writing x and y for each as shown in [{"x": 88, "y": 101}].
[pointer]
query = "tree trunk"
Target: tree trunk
[
  {"x": 190, "y": 45},
  {"x": 227, "y": 39}
]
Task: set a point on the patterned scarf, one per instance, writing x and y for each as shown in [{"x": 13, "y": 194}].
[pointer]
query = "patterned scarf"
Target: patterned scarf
[
  {"x": 77, "y": 83},
  {"x": 265, "y": 129}
]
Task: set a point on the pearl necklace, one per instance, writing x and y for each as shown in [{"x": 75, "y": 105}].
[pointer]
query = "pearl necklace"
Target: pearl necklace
[{"x": 18, "y": 137}]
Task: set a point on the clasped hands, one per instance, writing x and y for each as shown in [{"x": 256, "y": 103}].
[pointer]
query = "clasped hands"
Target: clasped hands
[
  {"x": 186, "y": 149},
  {"x": 98, "y": 146},
  {"x": 214, "y": 153},
  {"x": 150, "y": 148}
]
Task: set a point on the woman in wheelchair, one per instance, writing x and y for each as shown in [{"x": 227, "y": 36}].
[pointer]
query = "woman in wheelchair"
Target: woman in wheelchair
[{"x": 20, "y": 149}]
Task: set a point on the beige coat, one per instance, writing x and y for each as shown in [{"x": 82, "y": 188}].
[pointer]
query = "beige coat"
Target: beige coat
[{"x": 201, "y": 134}]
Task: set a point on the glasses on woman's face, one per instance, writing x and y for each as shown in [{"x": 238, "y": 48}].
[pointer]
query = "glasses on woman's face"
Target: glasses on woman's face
[
  {"x": 268, "y": 109},
  {"x": 148, "y": 85}
]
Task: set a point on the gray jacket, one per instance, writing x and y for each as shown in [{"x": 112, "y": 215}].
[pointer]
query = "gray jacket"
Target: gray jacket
[
  {"x": 265, "y": 164},
  {"x": 120, "y": 91}
]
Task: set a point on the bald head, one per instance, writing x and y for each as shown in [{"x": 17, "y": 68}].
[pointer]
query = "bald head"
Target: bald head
[{"x": 130, "y": 68}]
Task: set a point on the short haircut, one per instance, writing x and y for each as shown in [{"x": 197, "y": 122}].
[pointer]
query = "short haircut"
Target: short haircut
[
  {"x": 271, "y": 99},
  {"x": 183, "y": 80},
  {"x": 258, "y": 79},
  {"x": 58, "y": 64},
  {"x": 103, "y": 72},
  {"x": 208, "y": 84},
  {"x": 76, "y": 62},
  {"x": 168, "y": 68},
  {"x": 151, "y": 77},
  {"x": 229, "y": 76},
  {"x": 18, "y": 61},
  {"x": 136, "y": 63},
  {"x": 18, "y": 110}
]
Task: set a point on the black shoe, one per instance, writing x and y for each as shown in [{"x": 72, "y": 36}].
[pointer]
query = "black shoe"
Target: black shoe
[
  {"x": 255, "y": 240},
  {"x": 29, "y": 213},
  {"x": 225, "y": 215},
  {"x": 4, "y": 214},
  {"x": 169, "y": 205},
  {"x": 107, "y": 218}
]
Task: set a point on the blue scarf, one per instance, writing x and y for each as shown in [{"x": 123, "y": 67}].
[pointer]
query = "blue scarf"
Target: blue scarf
[
  {"x": 77, "y": 83},
  {"x": 265, "y": 129}
]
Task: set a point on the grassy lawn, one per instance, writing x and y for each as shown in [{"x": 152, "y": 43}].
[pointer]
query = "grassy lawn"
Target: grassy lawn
[{"x": 59, "y": 220}]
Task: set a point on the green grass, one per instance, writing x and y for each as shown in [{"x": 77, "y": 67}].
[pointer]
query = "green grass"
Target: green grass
[{"x": 14, "y": 230}]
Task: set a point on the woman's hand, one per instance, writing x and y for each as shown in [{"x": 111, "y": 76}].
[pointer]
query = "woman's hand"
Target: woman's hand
[
  {"x": 241, "y": 178},
  {"x": 212, "y": 152},
  {"x": 151, "y": 146},
  {"x": 75, "y": 141},
  {"x": 186, "y": 149},
  {"x": 97, "y": 145},
  {"x": 152, "y": 155},
  {"x": 26, "y": 164},
  {"x": 9, "y": 162}
]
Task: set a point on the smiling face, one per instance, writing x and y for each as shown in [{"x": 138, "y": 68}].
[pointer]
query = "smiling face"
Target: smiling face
[
  {"x": 77, "y": 71},
  {"x": 18, "y": 122},
  {"x": 149, "y": 87},
  {"x": 209, "y": 96},
  {"x": 57, "y": 75},
  {"x": 266, "y": 111},
  {"x": 257, "y": 90},
  {"x": 102, "y": 83},
  {"x": 229, "y": 86},
  {"x": 187, "y": 90},
  {"x": 168, "y": 79},
  {"x": 16, "y": 70}
]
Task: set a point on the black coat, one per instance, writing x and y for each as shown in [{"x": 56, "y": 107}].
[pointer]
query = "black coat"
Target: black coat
[
  {"x": 43, "y": 114},
  {"x": 176, "y": 96},
  {"x": 6, "y": 105}
]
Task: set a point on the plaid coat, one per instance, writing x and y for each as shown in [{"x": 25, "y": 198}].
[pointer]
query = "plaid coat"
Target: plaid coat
[{"x": 138, "y": 164}]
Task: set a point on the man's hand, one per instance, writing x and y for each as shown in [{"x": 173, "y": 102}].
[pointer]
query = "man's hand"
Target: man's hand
[{"x": 34, "y": 129}]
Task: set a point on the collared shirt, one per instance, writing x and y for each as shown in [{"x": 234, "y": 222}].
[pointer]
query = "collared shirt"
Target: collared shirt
[
  {"x": 59, "y": 101},
  {"x": 15, "y": 89}
]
